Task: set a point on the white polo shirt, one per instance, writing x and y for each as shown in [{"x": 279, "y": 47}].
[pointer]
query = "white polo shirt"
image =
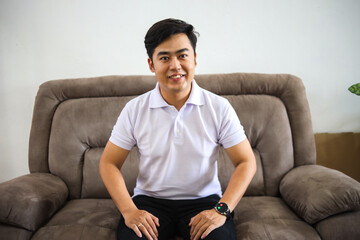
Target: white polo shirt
[{"x": 178, "y": 149}]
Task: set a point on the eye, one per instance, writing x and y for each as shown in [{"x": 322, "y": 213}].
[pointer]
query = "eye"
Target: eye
[
  {"x": 164, "y": 58},
  {"x": 183, "y": 56}
]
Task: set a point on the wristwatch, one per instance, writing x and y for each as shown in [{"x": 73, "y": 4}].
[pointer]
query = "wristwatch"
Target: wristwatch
[{"x": 223, "y": 209}]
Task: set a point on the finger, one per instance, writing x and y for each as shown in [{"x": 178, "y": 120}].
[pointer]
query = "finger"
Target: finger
[
  {"x": 147, "y": 226},
  {"x": 207, "y": 231},
  {"x": 136, "y": 230},
  {"x": 144, "y": 230},
  {"x": 196, "y": 229},
  {"x": 200, "y": 231},
  {"x": 156, "y": 220},
  {"x": 191, "y": 221},
  {"x": 192, "y": 227},
  {"x": 152, "y": 227},
  {"x": 150, "y": 231}
]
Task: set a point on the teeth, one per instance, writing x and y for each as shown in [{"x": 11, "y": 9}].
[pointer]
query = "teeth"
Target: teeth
[{"x": 176, "y": 76}]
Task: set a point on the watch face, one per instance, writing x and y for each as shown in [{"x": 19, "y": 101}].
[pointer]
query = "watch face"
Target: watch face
[{"x": 222, "y": 207}]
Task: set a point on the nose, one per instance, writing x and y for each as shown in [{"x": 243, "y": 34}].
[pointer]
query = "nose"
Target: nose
[{"x": 175, "y": 64}]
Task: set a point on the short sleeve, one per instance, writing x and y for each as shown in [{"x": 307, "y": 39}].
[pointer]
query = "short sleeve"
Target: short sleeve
[
  {"x": 231, "y": 130},
  {"x": 122, "y": 134}
]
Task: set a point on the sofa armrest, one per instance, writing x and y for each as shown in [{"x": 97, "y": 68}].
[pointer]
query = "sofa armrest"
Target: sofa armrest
[
  {"x": 315, "y": 192},
  {"x": 30, "y": 200}
]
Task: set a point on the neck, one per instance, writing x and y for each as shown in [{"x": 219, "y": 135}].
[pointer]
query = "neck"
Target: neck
[{"x": 175, "y": 99}]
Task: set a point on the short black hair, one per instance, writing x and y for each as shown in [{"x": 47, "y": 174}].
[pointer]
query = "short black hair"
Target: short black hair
[{"x": 163, "y": 29}]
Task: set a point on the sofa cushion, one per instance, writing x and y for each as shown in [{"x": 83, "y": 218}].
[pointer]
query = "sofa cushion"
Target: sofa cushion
[
  {"x": 269, "y": 218},
  {"x": 315, "y": 192},
  {"x": 93, "y": 186},
  {"x": 76, "y": 231},
  {"x": 11, "y": 232},
  {"x": 83, "y": 219},
  {"x": 341, "y": 226}
]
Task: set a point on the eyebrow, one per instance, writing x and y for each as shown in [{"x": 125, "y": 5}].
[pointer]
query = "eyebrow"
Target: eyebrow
[{"x": 177, "y": 52}]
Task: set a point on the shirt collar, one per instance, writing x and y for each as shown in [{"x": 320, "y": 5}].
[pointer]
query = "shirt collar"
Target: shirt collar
[{"x": 196, "y": 97}]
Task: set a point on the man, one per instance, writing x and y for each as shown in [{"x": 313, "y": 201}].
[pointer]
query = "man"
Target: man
[{"x": 178, "y": 128}]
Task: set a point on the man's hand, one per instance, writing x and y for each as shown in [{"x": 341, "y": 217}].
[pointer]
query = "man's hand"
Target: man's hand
[
  {"x": 142, "y": 222},
  {"x": 204, "y": 223}
]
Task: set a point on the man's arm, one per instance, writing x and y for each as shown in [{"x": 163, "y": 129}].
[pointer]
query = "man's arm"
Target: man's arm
[
  {"x": 111, "y": 162},
  {"x": 244, "y": 161}
]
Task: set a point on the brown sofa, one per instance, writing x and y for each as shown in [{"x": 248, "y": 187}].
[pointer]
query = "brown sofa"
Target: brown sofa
[{"x": 63, "y": 197}]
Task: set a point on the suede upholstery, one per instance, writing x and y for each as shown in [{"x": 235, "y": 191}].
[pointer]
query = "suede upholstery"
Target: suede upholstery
[
  {"x": 328, "y": 194},
  {"x": 31, "y": 200},
  {"x": 64, "y": 197}
]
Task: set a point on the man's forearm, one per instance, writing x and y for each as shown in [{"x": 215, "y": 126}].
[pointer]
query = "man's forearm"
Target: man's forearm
[
  {"x": 115, "y": 184},
  {"x": 238, "y": 183},
  {"x": 141, "y": 222},
  {"x": 206, "y": 221}
]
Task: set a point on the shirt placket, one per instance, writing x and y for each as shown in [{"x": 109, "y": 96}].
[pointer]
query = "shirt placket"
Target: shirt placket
[{"x": 178, "y": 127}]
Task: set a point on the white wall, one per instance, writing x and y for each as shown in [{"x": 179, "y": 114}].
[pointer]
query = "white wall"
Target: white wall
[{"x": 40, "y": 40}]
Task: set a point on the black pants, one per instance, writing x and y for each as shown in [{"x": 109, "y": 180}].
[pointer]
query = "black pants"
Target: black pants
[{"x": 174, "y": 217}]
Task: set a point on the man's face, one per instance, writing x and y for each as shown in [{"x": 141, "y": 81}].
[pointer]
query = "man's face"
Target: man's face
[{"x": 174, "y": 63}]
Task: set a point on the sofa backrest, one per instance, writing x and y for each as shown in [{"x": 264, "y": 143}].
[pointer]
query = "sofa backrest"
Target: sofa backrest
[{"x": 73, "y": 119}]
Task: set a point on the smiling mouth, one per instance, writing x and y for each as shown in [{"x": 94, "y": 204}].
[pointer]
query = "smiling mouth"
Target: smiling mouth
[{"x": 176, "y": 76}]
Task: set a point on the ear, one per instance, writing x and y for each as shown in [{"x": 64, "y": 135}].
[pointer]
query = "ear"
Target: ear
[
  {"x": 151, "y": 65},
  {"x": 195, "y": 59}
]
